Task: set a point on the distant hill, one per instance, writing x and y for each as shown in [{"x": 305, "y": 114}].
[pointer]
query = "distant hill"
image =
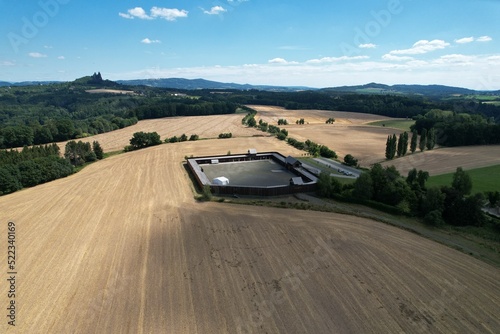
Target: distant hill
[
  {"x": 192, "y": 84},
  {"x": 427, "y": 90},
  {"x": 195, "y": 84},
  {"x": 26, "y": 83}
]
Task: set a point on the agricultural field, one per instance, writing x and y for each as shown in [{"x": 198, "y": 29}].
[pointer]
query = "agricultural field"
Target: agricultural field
[
  {"x": 204, "y": 126},
  {"x": 483, "y": 179},
  {"x": 349, "y": 134},
  {"x": 446, "y": 160},
  {"x": 122, "y": 246}
]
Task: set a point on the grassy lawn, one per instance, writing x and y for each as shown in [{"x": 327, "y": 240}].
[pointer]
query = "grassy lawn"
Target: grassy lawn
[
  {"x": 483, "y": 179},
  {"x": 401, "y": 124}
]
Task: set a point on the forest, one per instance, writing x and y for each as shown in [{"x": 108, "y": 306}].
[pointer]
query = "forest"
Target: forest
[{"x": 34, "y": 115}]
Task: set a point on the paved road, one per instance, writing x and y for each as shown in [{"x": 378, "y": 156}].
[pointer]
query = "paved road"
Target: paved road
[{"x": 337, "y": 165}]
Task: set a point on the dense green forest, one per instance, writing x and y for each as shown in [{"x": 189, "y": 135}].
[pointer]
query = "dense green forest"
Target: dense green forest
[
  {"x": 31, "y": 166},
  {"x": 32, "y": 115}
]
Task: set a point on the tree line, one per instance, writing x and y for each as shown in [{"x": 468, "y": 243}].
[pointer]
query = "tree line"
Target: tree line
[
  {"x": 458, "y": 129},
  {"x": 399, "y": 147},
  {"x": 384, "y": 188},
  {"x": 31, "y": 166}
]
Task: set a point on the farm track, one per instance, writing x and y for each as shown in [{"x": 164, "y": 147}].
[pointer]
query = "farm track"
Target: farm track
[{"x": 123, "y": 247}]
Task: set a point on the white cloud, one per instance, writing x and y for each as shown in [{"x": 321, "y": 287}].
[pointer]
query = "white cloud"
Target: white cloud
[
  {"x": 421, "y": 47},
  {"x": 465, "y": 71},
  {"x": 281, "y": 61},
  {"x": 37, "y": 55},
  {"x": 61, "y": 57},
  {"x": 150, "y": 41},
  {"x": 472, "y": 39},
  {"x": 484, "y": 39},
  {"x": 47, "y": 47},
  {"x": 216, "y": 10},
  {"x": 7, "y": 63},
  {"x": 325, "y": 60},
  {"x": 455, "y": 59},
  {"x": 494, "y": 58},
  {"x": 367, "y": 46},
  {"x": 169, "y": 14},
  {"x": 465, "y": 40},
  {"x": 137, "y": 12},
  {"x": 396, "y": 58}
]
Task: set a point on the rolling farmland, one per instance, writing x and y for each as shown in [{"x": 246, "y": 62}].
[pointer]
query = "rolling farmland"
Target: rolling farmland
[{"x": 122, "y": 246}]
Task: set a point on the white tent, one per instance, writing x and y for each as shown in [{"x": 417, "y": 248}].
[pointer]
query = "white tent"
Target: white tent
[{"x": 221, "y": 181}]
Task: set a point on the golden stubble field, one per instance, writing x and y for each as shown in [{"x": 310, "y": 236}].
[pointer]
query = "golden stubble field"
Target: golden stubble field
[
  {"x": 204, "y": 126},
  {"x": 350, "y": 134},
  {"x": 122, "y": 247}
]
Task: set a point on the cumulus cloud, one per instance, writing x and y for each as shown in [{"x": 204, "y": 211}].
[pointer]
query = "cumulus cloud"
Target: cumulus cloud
[
  {"x": 421, "y": 47},
  {"x": 37, "y": 55},
  {"x": 137, "y": 12},
  {"x": 169, "y": 14},
  {"x": 455, "y": 59},
  {"x": 465, "y": 40},
  {"x": 216, "y": 10},
  {"x": 367, "y": 46},
  {"x": 150, "y": 41},
  {"x": 61, "y": 57},
  {"x": 281, "y": 61},
  {"x": 472, "y": 39},
  {"x": 7, "y": 63},
  {"x": 484, "y": 39}
]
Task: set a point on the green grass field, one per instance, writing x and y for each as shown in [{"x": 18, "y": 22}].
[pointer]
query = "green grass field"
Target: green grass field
[
  {"x": 401, "y": 124},
  {"x": 483, "y": 179}
]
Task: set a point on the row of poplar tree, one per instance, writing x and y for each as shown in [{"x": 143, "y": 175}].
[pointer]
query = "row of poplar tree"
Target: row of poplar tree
[{"x": 399, "y": 146}]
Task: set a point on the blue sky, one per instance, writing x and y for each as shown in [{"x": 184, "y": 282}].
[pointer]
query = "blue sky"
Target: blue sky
[{"x": 295, "y": 42}]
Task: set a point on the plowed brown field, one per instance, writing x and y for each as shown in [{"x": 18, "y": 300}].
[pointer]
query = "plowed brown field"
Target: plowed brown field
[{"x": 122, "y": 247}]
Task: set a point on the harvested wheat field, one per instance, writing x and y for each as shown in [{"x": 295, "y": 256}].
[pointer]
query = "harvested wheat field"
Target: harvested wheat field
[
  {"x": 446, "y": 159},
  {"x": 203, "y": 126},
  {"x": 348, "y": 135},
  {"x": 122, "y": 247},
  {"x": 272, "y": 114}
]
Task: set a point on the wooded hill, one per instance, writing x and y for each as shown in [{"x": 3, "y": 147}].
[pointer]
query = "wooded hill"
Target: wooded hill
[{"x": 63, "y": 111}]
